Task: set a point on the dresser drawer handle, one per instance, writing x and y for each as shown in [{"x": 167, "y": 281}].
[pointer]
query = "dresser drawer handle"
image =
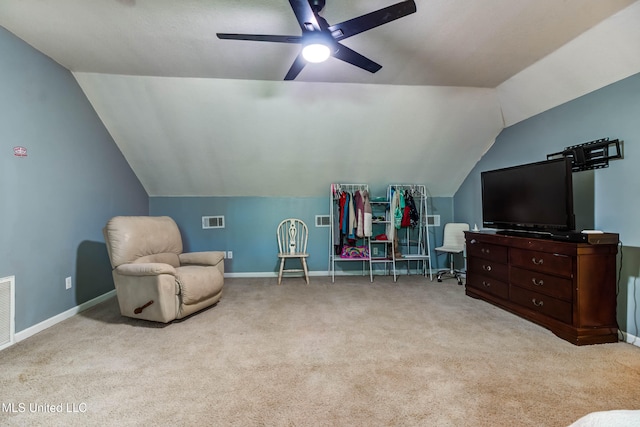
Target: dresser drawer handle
[
  {"x": 537, "y": 303},
  {"x": 537, "y": 282},
  {"x": 473, "y": 241},
  {"x": 486, "y": 267},
  {"x": 537, "y": 261},
  {"x": 485, "y": 251},
  {"x": 486, "y": 284}
]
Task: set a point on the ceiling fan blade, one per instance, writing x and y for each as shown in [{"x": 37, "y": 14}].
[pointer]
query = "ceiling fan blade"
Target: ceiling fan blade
[
  {"x": 352, "y": 57},
  {"x": 296, "y": 67},
  {"x": 260, "y": 38},
  {"x": 371, "y": 20},
  {"x": 304, "y": 14}
]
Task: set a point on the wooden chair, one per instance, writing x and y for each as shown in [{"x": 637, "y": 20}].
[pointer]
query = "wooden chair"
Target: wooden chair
[{"x": 292, "y": 243}]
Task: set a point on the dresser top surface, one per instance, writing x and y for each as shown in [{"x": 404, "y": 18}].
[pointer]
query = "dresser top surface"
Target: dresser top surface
[{"x": 544, "y": 244}]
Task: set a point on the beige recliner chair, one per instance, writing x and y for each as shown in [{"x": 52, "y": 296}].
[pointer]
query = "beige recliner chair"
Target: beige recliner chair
[{"x": 154, "y": 280}]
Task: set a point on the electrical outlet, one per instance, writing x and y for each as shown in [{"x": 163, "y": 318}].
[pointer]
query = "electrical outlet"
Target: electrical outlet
[
  {"x": 375, "y": 250},
  {"x": 229, "y": 254},
  {"x": 67, "y": 282}
]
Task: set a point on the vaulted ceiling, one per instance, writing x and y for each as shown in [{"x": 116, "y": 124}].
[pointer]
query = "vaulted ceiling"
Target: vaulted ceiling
[{"x": 198, "y": 116}]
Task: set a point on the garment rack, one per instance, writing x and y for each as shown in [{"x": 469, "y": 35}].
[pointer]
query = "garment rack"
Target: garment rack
[
  {"x": 336, "y": 191},
  {"x": 415, "y": 248}
]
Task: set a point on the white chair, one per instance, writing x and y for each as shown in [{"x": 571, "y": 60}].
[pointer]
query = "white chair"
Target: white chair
[
  {"x": 292, "y": 243},
  {"x": 453, "y": 243}
]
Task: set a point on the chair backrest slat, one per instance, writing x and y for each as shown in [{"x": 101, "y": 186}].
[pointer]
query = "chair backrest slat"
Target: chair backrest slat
[{"x": 292, "y": 236}]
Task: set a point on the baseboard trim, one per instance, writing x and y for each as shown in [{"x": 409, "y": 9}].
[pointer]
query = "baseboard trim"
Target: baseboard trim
[
  {"x": 26, "y": 333},
  {"x": 318, "y": 273},
  {"x": 263, "y": 274},
  {"x": 631, "y": 339}
]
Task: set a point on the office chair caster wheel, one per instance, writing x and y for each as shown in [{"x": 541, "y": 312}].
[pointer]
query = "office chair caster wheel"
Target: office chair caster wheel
[{"x": 439, "y": 280}]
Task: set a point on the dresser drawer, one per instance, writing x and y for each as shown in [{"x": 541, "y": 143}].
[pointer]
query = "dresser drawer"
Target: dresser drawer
[
  {"x": 546, "y": 262},
  {"x": 488, "y": 268},
  {"x": 480, "y": 249},
  {"x": 554, "y": 286},
  {"x": 489, "y": 285},
  {"x": 543, "y": 304}
]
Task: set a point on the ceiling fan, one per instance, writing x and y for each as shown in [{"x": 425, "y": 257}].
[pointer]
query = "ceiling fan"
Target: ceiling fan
[{"x": 320, "y": 40}]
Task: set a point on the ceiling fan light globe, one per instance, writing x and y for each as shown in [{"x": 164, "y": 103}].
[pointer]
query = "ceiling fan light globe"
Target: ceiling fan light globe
[{"x": 316, "y": 52}]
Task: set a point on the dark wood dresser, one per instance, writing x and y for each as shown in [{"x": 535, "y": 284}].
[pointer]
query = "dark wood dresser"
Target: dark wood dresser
[{"x": 569, "y": 288}]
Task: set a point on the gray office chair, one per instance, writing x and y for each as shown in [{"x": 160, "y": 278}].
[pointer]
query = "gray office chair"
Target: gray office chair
[{"x": 453, "y": 243}]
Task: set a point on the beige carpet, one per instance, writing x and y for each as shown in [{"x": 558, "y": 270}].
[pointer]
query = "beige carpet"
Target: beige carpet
[{"x": 351, "y": 353}]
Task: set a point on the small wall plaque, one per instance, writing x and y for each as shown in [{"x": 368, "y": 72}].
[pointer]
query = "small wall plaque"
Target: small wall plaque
[{"x": 19, "y": 151}]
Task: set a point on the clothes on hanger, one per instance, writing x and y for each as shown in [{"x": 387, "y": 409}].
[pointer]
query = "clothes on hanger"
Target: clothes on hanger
[
  {"x": 410, "y": 215},
  {"x": 368, "y": 216},
  {"x": 354, "y": 218},
  {"x": 399, "y": 210},
  {"x": 350, "y": 231},
  {"x": 391, "y": 228},
  {"x": 358, "y": 204}
]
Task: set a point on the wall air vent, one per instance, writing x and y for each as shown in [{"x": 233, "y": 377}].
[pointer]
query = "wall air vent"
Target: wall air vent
[
  {"x": 433, "y": 220},
  {"x": 213, "y": 221},
  {"x": 322, "y": 221},
  {"x": 7, "y": 314}
]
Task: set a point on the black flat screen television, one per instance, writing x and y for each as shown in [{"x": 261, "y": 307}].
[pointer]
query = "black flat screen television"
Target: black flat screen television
[{"x": 531, "y": 197}]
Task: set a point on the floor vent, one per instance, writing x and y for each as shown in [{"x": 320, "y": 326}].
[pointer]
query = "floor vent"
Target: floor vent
[
  {"x": 7, "y": 307},
  {"x": 213, "y": 221}
]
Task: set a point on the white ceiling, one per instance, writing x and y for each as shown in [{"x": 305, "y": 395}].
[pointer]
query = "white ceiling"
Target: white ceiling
[{"x": 195, "y": 115}]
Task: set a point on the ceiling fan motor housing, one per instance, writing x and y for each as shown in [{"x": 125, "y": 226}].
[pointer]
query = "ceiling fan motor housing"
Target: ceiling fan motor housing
[{"x": 317, "y": 5}]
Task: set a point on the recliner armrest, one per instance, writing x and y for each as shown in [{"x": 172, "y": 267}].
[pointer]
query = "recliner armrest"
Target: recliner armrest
[
  {"x": 145, "y": 269},
  {"x": 201, "y": 258}
]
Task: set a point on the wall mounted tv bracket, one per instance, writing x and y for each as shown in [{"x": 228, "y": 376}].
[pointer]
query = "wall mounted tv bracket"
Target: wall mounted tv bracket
[{"x": 590, "y": 155}]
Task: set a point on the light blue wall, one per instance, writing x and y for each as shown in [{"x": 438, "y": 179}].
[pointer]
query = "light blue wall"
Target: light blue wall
[
  {"x": 614, "y": 112},
  {"x": 442, "y": 206},
  {"x": 250, "y": 227},
  {"x": 56, "y": 200}
]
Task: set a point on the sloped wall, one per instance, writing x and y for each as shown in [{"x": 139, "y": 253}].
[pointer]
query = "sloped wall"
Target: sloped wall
[
  {"x": 57, "y": 198},
  {"x": 612, "y": 112}
]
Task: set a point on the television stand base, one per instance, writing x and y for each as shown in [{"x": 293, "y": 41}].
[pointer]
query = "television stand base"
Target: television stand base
[
  {"x": 565, "y": 236},
  {"x": 525, "y": 233},
  {"x": 591, "y": 238}
]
